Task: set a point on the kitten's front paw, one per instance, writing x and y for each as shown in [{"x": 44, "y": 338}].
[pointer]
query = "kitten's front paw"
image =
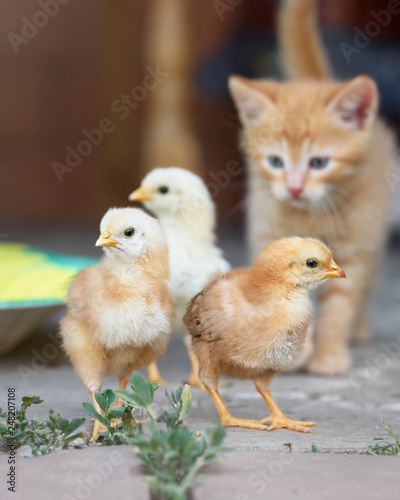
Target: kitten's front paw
[{"x": 330, "y": 364}]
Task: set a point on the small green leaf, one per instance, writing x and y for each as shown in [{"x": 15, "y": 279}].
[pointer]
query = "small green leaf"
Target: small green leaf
[
  {"x": 3, "y": 428},
  {"x": 110, "y": 396},
  {"x": 130, "y": 398},
  {"x": 32, "y": 399},
  {"x": 168, "y": 397},
  {"x": 105, "y": 433},
  {"x": 63, "y": 424},
  {"x": 154, "y": 386},
  {"x": 153, "y": 482},
  {"x": 89, "y": 409},
  {"x": 171, "y": 455},
  {"x": 69, "y": 439},
  {"x": 102, "y": 401},
  {"x": 116, "y": 412},
  {"x": 75, "y": 424},
  {"x": 186, "y": 397},
  {"x": 216, "y": 435},
  {"x": 143, "y": 389},
  {"x": 199, "y": 448}
]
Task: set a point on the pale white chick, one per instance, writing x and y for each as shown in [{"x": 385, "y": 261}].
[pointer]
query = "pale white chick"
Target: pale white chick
[
  {"x": 183, "y": 205},
  {"x": 119, "y": 310}
]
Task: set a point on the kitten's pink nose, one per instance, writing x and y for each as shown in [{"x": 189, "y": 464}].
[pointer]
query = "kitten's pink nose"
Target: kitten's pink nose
[{"x": 295, "y": 191}]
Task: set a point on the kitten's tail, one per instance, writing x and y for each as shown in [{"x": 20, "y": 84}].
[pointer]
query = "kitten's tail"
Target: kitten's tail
[{"x": 300, "y": 42}]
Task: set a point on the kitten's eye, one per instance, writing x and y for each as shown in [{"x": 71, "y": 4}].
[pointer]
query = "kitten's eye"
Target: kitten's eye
[
  {"x": 163, "y": 189},
  {"x": 129, "y": 232},
  {"x": 319, "y": 162},
  {"x": 311, "y": 263},
  {"x": 275, "y": 161}
]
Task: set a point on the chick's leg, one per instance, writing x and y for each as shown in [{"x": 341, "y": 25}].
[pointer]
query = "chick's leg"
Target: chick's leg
[
  {"x": 122, "y": 383},
  {"x": 277, "y": 419},
  {"x": 89, "y": 369},
  {"x": 193, "y": 379},
  {"x": 98, "y": 426},
  {"x": 227, "y": 419},
  {"x": 154, "y": 375}
]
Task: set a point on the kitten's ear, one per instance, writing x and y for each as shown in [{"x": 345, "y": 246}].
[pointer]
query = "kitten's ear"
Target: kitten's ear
[
  {"x": 253, "y": 105},
  {"x": 356, "y": 104}
]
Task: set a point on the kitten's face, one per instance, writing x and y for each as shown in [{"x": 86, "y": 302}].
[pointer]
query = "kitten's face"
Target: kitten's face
[{"x": 305, "y": 138}]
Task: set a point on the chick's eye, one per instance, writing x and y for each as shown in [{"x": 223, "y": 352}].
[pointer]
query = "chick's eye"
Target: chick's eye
[
  {"x": 311, "y": 263},
  {"x": 129, "y": 232},
  {"x": 275, "y": 161},
  {"x": 163, "y": 189},
  {"x": 319, "y": 163}
]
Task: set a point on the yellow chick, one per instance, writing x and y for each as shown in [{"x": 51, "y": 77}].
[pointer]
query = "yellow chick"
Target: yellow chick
[
  {"x": 186, "y": 212},
  {"x": 119, "y": 310},
  {"x": 252, "y": 323}
]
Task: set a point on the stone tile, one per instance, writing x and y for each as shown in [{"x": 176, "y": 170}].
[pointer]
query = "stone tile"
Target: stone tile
[
  {"x": 295, "y": 476},
  {"x": 98, "y": 472}
]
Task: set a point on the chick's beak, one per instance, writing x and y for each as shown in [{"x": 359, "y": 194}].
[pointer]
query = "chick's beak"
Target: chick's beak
[
  {"x": 105, "y": 239},
  {"x": 140, "y": 194},
  {"x": 335, "y": 271}
]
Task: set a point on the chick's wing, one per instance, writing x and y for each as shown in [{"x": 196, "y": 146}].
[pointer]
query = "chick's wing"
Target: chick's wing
[{"x": 201, "y": 318}]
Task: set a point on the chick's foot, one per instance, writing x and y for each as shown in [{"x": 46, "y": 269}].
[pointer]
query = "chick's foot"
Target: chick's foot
[
  {"x": 226, "y": 418},
  {"x": 282, "y": 422},
  {"x": 98, "y": 427},
  {"x": 230, "y": 421}
]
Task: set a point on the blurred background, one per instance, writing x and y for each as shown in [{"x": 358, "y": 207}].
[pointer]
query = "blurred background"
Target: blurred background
[{"x": 96, "y": 93}]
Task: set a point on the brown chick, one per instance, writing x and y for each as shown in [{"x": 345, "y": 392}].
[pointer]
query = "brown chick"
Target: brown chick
[
  {"x": 119, "y": 310},
  {"x": 252, "y": 323}
]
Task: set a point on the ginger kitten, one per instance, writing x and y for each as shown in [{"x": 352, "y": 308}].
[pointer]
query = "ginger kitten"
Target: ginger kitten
[{"x": 317, "y": 157}]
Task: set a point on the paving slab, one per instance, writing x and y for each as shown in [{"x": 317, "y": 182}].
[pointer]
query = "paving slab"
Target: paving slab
[
  {"x": 115, "y": 472},
  {"x": 102, "y": 472},
  {"x": 296, "y": 476}
]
